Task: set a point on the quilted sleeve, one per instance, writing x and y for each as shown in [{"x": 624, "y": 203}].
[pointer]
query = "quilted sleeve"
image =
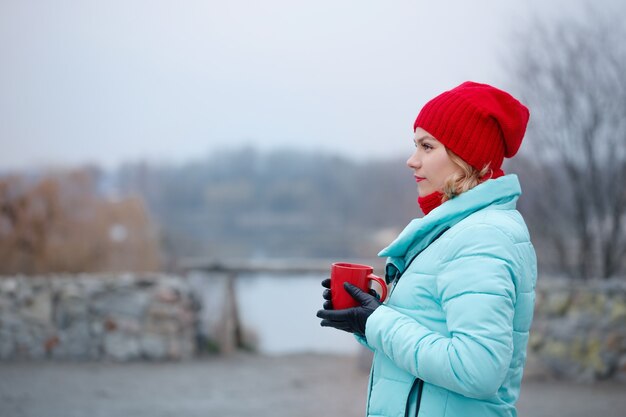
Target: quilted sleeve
[
  {"x": 363, "y": 341},
  {"x": 477, "y": 293}
]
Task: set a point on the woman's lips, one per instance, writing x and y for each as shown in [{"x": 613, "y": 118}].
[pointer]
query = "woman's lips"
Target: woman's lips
[{"x": 418, "y": 179}]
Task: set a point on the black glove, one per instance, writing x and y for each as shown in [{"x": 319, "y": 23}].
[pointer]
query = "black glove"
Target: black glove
[
  {"x": 328, "y": 296},
  {"x": 350, "y": 319}
]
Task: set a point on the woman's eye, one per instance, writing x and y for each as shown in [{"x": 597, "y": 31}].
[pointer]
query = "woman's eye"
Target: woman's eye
[{"x": 425, "y": 146}]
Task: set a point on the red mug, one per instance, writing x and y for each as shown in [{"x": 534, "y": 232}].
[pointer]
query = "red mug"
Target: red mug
[{"x": 360, "y": 276}]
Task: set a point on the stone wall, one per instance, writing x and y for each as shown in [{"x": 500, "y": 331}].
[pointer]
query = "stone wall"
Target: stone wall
[
  {"x": 579, "y": 329},
  {"x": 96, "y": 317}
]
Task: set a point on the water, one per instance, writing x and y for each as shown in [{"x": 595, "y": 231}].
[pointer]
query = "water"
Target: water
[{"x": 281, "y": 311}]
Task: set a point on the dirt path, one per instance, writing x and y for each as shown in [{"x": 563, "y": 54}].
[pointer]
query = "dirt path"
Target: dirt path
[{"x": 242, "y": 385}]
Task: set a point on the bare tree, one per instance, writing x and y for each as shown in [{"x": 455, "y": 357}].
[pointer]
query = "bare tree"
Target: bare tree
[
  {"x": 59, "y": 223},
  {"x": 572, "y": 75}
]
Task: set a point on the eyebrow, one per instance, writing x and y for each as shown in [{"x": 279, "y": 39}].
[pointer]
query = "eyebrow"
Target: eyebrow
[{"x": 422, "y": 138}]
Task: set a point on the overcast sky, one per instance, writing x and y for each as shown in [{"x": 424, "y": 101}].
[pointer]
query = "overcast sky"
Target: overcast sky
[{"x": 111, "y": 81}]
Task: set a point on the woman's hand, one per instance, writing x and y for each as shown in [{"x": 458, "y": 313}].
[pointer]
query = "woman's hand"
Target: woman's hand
[
  {"x": 327, "y": 295},
  {"x": 351, "y": 320}
]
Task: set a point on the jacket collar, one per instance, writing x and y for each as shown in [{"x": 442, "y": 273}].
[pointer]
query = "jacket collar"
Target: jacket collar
[{"x": 499, "y": 194}]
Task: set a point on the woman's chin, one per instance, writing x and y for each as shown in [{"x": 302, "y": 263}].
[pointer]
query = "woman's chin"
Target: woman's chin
[{"x": 422, "y": 192}]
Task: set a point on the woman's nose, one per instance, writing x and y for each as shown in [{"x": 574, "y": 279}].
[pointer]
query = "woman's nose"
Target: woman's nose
[{"x": 413, "y": 161}]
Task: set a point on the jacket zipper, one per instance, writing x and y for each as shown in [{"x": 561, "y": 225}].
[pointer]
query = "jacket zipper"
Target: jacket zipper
[
  {"x": 419, "y": 396},
  {"x": 408, "y": 398},
  {"x": 445, "y": 229},
  {"x": 418, "y": 382},
  {"x": 395, "y": 284},
  {"x": 420, "y": 387}
]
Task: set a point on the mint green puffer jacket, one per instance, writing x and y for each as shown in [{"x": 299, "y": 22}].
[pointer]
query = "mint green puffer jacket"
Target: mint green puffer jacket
[{"x": 451, "y": 338}]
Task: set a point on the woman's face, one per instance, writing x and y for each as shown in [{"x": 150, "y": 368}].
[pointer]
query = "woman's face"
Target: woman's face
[{"x": 430, "y": 163}]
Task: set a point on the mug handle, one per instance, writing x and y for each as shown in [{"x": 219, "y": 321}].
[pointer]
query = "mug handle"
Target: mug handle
[{"x": 382, "y": 284}]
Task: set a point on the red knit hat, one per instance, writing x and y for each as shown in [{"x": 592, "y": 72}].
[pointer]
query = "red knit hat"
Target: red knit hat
[{"x": 478, "y": 122}]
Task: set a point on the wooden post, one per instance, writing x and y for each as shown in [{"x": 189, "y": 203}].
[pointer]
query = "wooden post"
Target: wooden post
[{"x": 228, "y": 340}]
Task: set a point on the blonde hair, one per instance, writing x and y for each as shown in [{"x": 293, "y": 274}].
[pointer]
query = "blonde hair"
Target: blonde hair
[{"x": 468, "y": 179}]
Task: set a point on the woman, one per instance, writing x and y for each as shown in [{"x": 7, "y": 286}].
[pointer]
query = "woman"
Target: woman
[{"x": 451, "y": 338}]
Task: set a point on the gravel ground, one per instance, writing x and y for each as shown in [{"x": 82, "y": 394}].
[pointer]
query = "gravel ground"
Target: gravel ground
[{"x": 243, "y": 385}]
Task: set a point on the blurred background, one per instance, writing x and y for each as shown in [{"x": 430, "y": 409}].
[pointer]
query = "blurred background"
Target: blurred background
[{"x": 177, "y": 177}]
